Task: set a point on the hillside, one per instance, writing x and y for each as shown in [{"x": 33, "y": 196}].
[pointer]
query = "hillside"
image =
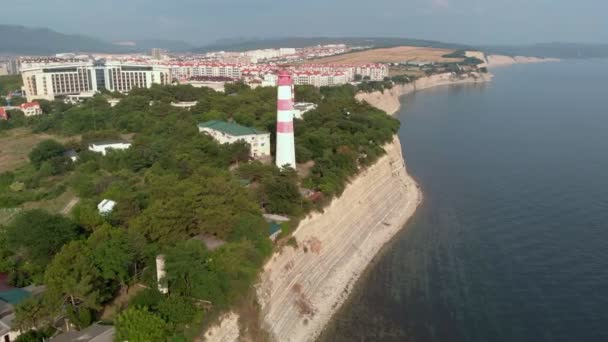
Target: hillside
[
  {"x": 552, "y": 50},
  {"x": 20, "y": 40},
  {"x": 391, "y": 55},
  {"x": 377, "y": 42}
]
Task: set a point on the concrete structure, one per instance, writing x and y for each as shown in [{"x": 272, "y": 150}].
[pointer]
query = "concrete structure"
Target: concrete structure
[
  {"x": 229, "y": 133},
  {"x": 104, "y": 146},
  {"x": 300, "y": 108},
  {"x": 78, "y": 98},
  {"x": 184, "y": 104},
  {"x": 286, "y": 151},
  {"x": 106, "y": 206},
  {"x": 160, "y": 274},
  {"x": 113, "y": 102}
]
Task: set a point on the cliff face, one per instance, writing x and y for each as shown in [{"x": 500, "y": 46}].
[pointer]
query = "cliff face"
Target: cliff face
[
  {"x": 389, "y": 102},
  {"x": 495, "y": 61},
  {"x": 301, "y": 288}
]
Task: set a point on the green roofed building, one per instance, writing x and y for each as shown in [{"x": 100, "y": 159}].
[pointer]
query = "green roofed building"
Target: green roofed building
[{"x": 229, "y": 133}]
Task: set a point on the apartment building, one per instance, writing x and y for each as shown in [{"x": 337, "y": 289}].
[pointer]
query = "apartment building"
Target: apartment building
[{"x": 47, "y": 79}]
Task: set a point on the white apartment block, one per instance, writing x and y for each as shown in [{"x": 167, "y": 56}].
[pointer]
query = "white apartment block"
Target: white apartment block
[
  {"x": 229, "y": 133},
  {"x": 46, "y": 80}
]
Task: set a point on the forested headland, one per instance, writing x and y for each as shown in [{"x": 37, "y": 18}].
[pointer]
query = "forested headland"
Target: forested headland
[{"x": 173, "y": 187}]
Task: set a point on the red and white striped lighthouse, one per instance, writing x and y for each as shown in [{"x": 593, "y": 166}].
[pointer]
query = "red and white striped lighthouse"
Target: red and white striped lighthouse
[{"x": 286, "y": 152}]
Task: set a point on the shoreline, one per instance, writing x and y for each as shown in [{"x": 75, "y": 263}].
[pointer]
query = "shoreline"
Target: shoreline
[
  {"x": 390, "y": 100},
  {"x": 301, "y": 289}
]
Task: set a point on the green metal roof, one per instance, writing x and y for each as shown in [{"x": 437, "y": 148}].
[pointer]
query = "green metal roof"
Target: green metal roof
[
  {"x": 14, "y": 296},
  {"x": 230, "y": 128}
]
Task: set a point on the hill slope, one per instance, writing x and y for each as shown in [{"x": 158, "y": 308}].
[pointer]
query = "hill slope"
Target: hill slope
[
  {"x": 20, "y": 40},
  {"x": 24, "y": 40},
  {"x": 554, "y": 50},
  {"x": 252, "y": 44}
]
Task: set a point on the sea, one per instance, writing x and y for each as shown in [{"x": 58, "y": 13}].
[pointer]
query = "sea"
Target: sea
[{"x": 511, "y": 240}]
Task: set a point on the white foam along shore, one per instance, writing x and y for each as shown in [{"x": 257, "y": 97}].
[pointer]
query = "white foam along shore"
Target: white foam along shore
[{"x": 300, "y": 289}]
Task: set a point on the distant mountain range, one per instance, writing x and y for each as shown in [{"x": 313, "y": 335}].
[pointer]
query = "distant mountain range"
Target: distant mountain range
[
  {"x": 555, "y": 50},
  {"x": 20, "y": 40},
  {"x": 252, "y": 44}
]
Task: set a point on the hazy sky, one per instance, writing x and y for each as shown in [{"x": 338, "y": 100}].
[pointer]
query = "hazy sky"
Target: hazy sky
[{"x": 204, "y": 21}]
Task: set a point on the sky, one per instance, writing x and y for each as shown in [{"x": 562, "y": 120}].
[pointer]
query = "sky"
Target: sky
[{"x": 205, "y": 21}]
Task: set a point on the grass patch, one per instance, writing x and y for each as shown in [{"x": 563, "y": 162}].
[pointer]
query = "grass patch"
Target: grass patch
[{"x": 16, "y": 144}]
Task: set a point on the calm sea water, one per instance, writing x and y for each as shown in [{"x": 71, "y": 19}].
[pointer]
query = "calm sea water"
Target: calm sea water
[{"x": 511, "y": 242}]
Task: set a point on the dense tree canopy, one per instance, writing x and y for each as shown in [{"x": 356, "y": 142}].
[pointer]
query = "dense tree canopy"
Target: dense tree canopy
[
  {"x": 37, "y": 236},
  {"x": 139, "y": 325}
]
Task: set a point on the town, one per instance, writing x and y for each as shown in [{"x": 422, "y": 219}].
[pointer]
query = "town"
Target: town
[{"x": 131, "y": 159}]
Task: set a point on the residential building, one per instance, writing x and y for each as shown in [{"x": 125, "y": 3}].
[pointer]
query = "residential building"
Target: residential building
[
  {"x": 93, "y": 333},
  {"x": 106, "y": 206},
  {"x": 46, "y": 79},
  {"x": 31, "y": 108},
  {"x": 229, "y": 133},
  {"x": 10, "y": 297},
  {"x": 3, "y": 114},
  {"x": 157, "y": 53},
  {"x": 104, "y": 147}
]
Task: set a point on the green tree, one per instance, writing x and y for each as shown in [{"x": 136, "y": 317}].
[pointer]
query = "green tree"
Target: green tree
[
  {"x": 177, "y": 311},
  {"x": 139, "y": 325},
  {"x": 73, "y": 278},
  {"x": 45, "y": 150},
  {"x": 38, "y": 235},
  {"x": 34, "y": 313},
  {"x": 190, "y": 273},
  {"x": 34, "y": 336},
  {"x": 115, "y": 253}
]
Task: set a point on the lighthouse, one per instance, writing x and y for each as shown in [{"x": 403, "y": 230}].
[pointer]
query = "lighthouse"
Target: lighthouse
[{"x": 286, "y": 151}]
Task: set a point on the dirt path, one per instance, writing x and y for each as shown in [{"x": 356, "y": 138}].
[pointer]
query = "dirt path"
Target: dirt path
[{"x": 68, "y": 207}]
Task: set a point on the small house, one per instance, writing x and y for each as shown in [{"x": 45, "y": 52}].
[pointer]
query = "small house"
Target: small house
[
  {"x": 71, "y": 154},
  {"x": 104, "y": 146},
  {"x": 31, "y": 108},
  {"x": 3, "y": 114},
  {"x": 94, "y": 333},
  {"x": 184, "y": 104},
  {"x": 106, "y": 206}
]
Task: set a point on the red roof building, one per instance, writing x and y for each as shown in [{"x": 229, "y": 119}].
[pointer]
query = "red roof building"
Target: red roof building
[{"x": 3, "y": 114}]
